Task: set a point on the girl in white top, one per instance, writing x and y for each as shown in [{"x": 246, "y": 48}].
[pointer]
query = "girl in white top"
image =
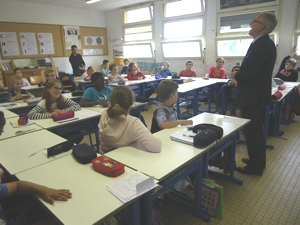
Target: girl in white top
[
  {"x": 118, "y": 128},
  {"x": 18, "y": 72}
]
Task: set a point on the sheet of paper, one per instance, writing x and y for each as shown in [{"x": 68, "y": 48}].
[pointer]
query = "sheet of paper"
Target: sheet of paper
[
  {"x": 86, "y": 113},
  {"x": 235, "y": 120}
]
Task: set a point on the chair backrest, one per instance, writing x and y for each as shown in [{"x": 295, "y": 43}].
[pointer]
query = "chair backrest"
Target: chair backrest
[{"x": 35, "y": 80}]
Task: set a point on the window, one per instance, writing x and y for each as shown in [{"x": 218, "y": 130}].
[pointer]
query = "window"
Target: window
[
  {"x": 230, "y": 5},
  {"x": 230, "y": 24},
  {"x": 188, "y": 49},
  {"x": 298, "y": 44},
  {"x": 138, "y": 51},
  {"x": 138, "y": 33},
  {"x": 183, "y": 29},
  {"x": 235, "y": 47},
  {"x": 138, "y": 15},
  {"x": 184, "y": 7}
]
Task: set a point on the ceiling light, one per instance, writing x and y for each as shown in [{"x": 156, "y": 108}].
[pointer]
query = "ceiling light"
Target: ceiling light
[{"x": 91, "y": 1}]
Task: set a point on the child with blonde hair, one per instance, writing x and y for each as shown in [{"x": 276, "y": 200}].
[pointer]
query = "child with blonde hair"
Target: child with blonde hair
[{"x": 16, "y": 93}]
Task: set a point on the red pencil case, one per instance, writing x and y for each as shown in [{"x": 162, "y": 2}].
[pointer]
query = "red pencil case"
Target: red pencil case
[
  {"x": 63, "y": 116},
  {"x": 107, "y": 166}
]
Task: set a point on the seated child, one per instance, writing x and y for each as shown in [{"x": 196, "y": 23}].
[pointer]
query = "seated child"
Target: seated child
[
  {"x": 165, "y": 115},
  {"x": 165, "y": 71},
  {"x": 114, "y": 77},
  {"x": 18, "y": 72},
  {"x": 50, "y": 74},
  {"x": 16, "y": 93},
  {"x": 286, "y": 70},
  {"x": 52, "y": 102},
  {"x": 87, "y": 75},
  {"x": 105, "y": 67},
  {"x": 97, "y": 95},
  {"x": 125, "y": 67},
  {"x": 118, "y": 129},
  {"x": 231, "y": 107},
  {"x": 134, "y": 72},
  {"x": 188, "y": 72}
]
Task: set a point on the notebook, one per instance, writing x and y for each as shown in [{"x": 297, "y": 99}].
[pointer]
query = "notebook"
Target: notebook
[{"x": 183, "y": 136}]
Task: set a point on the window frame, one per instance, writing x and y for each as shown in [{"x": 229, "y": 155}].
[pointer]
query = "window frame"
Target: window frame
[
  {"x": 272, "y": 36},
  {"x": 180, "y": 57},
  {"x": 140, "y": 6},
  {"x": 247, "y": 7},
  {"x": 138, "y": 25},
  {"x": 139, "y": 43},
  {"x": 184, "y": 16},
  {"x": 257, "y": 10}
]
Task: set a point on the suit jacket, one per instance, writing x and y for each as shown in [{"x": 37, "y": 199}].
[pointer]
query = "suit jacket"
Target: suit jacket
[{"x": 255, "y": 75}]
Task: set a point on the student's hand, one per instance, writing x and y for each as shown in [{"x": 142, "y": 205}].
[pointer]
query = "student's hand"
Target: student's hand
[
  {"x": 104, "y": 104},
  {"x": 18, "y": 96},
  {"x": 30, "y": 95},
  {"x": 152, "y": 75},
  {"x": 137, "y": 69},
  {"x": 50, "y": 57},
  {"x": 82, "y": 68},
  {"x": 232, "y": 83},
  {"x": 187, "y": 122},
  {"x": 295, "y": 49},
  {"x": 50, "y": 195},
  {"x": 140, "y": 78}
]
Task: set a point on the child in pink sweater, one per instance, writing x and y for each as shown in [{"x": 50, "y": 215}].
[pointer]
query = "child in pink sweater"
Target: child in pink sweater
[{"x": 119, "y": 129}]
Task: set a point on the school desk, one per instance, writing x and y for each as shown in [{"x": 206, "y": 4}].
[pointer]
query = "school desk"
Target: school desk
[
  {"x": 10, "y": 131},
  {"x": 135, "y": 85},
  {"x": 177, "y": 160},
  {"x": 8, "y": 114},
  {"x": 85, "y": 120},
  {"x": 33, "y": 89},
  {"x": 15, "y": 152},
  {"x": 91, "y": 203}
]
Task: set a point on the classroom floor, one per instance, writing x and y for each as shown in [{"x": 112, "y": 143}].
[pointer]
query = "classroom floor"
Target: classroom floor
[{"x": 273, "y": 198}]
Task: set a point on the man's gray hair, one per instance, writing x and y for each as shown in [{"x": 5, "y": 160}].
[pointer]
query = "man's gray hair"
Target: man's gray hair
[{"x": 270, "y": 21}]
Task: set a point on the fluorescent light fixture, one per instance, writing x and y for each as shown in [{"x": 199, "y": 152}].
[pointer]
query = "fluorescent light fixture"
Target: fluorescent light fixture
[{"x": 91, "y": 1}]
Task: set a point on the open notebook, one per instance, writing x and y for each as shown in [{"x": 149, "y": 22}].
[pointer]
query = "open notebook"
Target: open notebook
[{"x": 183, "y": 136}]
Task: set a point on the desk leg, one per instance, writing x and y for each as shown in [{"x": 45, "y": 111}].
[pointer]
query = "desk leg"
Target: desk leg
[
  {"x": 195, "y": 103},
  {"x": 266, "y": 127},
  {"x": 132, "y": 216},
  {"x": 277, "y": 119}
]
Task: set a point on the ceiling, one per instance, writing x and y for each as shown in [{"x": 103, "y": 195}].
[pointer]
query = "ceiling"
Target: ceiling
[{"x": 103, "y": 5}]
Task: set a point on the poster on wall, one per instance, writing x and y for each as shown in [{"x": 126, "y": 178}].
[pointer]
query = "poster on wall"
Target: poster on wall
[
  {"x": 72, "y": 36},
  {"x": 28, "y": 43},
  {"x": 93, "y": 40},
  {"x": 9, "y": 44},
  {"x": 46, "y": 43}
]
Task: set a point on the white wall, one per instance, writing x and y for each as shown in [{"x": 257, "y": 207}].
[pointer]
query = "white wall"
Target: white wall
[
  {"x": 24, "y": 12},
  {"x": 286, "y": 23}
]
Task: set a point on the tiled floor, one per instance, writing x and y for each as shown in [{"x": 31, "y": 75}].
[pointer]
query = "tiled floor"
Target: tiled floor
[{"x": 273, "y": 198}]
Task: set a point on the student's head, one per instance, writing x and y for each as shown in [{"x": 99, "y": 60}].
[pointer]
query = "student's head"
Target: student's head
[
  {"x": 166, "y": 90},
  {"x": 16, "y": 82},
  {"x": 50, "y": 74},
  {"x": 120, "y": 100},
  {"x": 90, "y": 70},
  {"x": 126, "y": 62},
  {"x": 189, "y": 64},
  {"x": 18, "y": 72},
  {"x": 52, "y": 93},
  {"x": 74, "y": 49},
  {"x": 105, "y": 63},
  {"x": 2, "y": 122},
  {"x": 132, "y": 67},
  {"x": 235, "y": 68},
  {"x": 114, "y": 69},
  {"x": 98, "y": 80},
  {"x": 290, "y": 63},
  {"x": 220, "y": 62},
  {"x": 166, "y": 65}
]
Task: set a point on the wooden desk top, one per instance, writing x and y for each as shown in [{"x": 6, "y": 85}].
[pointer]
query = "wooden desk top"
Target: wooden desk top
[
  {"x": 14, "y": 152},
  {"x": 174, "y": 154},
  {"x": 90, "y": 202}
]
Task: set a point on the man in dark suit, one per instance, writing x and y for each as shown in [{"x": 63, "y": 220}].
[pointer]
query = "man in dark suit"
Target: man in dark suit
[{"x": 254, "y": 89}]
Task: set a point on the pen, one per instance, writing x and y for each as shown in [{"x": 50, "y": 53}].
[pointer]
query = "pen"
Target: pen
[
  {"x": 37, "y": 152},
  {"x": 186, "y": 135}
]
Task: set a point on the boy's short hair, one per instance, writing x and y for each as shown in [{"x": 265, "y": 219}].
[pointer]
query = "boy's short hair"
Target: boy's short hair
[
  {"x": 235, "y": 67},
  {"x": 95, "y": 76},
  {"x": 48, "y": 71},
  {"x": 17, "y": 69},
  {"x": 165, "y": 88},
  {"x": 112, "y": 66},
  {"x": 105, "y": 61},
  {"x": 73, "y": 46},
  {"x": 292, "y": 61},
  {"x": 15, "y": 78},
  {"x": 125, "y": 60},
  {"x": 189, "y": 61}
]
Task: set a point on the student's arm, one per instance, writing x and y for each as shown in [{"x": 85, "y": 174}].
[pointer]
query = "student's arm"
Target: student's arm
[
  {"x": 194, "y": 74},
  {"x": 295, "y": 49},
  {"x": 171, "y": 124},
  {"x": 47, "y": 194},
  {"x": 207, "y": 75},
  {"x": 71, "y": 106},
  {"x": 53, "y": 65},
  {"x": 38, "y": 112},
  {"x": 11, "y": 98},
  {"x": 86, "y": 103},
  {"x": 131, "y": 77},
  {"x": 140, "y": 74},
  {"x": 113, "y": 77},
  {"x": 223, "y": 75},
  {"x": 83, "y": 65},
  {"x": 169, "y": 72},
  {"x": 143, "y": 136}
]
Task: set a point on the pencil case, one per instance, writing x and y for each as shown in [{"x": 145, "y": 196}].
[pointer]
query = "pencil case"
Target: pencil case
[
  {"x": 63, "y": 116},
  {"x": 107, "y": 166},
  {"x": 83, "y": 153}
]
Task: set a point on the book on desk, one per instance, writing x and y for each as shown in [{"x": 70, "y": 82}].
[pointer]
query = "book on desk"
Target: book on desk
[{"x": 183, "y": 136}]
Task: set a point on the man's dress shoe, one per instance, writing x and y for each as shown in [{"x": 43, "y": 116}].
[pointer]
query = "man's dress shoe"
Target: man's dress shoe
[{"x": 249, "y": 170}]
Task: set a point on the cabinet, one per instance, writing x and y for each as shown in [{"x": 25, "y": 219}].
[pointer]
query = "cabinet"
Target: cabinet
[{"x": 27, "y": 73}]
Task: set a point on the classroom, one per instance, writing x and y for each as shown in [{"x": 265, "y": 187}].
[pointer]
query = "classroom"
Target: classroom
[{"x": 164, "y": 34}]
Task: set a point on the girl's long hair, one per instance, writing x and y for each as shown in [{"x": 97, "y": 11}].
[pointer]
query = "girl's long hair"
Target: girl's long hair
[{"x": 60, "y": 102}]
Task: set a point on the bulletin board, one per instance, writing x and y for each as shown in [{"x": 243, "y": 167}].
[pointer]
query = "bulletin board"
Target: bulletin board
[
  {"x": 93, "y": 41},
  {"x": 18, "y": 28}
]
